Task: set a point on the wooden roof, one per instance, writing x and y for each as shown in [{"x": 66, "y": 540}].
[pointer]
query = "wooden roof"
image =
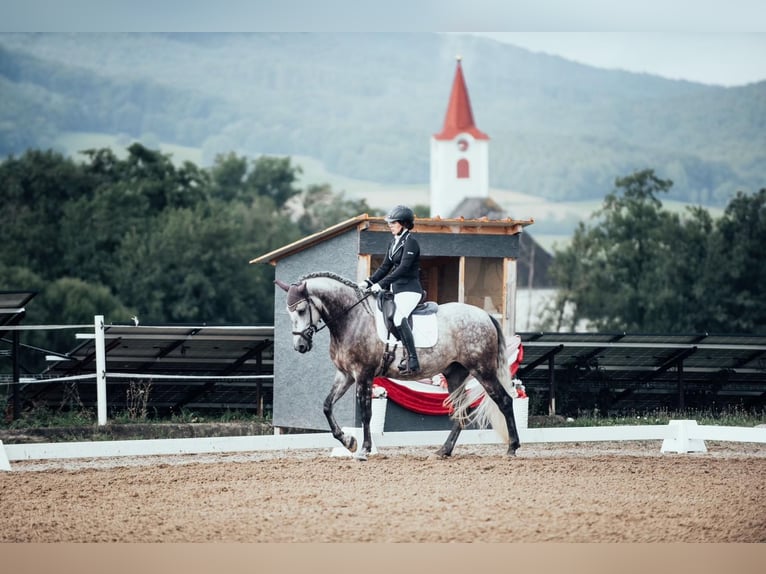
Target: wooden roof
[{"x": 482, "y": 226}]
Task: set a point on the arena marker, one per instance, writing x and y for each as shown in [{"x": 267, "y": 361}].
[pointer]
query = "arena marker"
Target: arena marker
[{"x": 4, "y": 463}]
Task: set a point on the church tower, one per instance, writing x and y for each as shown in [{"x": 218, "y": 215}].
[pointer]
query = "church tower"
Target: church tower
[{"x": 459, "y": 154}]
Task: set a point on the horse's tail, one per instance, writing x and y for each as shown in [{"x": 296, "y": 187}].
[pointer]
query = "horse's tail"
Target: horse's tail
[{"x": 487, "y": 413}]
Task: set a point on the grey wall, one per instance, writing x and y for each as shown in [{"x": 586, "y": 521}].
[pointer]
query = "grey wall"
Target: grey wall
[{"x": 301, "y": 382}]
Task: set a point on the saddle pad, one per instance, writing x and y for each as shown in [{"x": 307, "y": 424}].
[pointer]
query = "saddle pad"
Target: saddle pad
[{"x": 424, "y": 329}]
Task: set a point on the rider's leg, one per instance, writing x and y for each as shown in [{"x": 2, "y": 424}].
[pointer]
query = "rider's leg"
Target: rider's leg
[
  {"x": 413, "y": 365},
  {"x": 405, "y": 303}
]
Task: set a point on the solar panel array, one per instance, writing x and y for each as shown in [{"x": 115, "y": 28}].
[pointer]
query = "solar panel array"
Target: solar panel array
[
  {"x": 196, "y": 367},
  {"x": 639, "y": 371}
]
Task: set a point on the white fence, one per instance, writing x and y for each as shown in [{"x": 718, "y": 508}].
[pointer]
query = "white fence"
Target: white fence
[{"x": 682, "y": 436}]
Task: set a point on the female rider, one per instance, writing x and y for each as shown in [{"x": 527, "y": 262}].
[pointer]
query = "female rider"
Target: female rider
[{"x": 400, "y": 272}]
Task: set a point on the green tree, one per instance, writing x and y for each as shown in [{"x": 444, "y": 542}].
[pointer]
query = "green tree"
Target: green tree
[
  {"x": 618, "y": 269},
  {"x": 34, "y": 190},
  {"x": 641, "y": 268},
  {"x": 736, "y": 274},
  {"x": 63, "y": 301},
  {"x": 321, "y": 208},
  {"x": 227, "y": 176},
  {"x": 275, "y": 178},
  {"x": 192, "y": 265}
]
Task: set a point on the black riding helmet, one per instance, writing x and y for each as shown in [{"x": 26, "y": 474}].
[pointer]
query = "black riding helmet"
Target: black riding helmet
[{"x": 403, "y": 215}]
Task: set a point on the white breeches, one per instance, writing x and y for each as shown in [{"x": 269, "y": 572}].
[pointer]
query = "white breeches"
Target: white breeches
[{"x": 405, "y": 302}]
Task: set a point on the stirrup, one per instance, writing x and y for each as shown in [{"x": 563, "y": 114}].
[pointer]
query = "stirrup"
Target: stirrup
[{"x": 405, "y": 369}]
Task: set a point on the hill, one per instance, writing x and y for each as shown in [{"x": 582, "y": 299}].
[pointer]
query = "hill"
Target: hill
[{"x": 363, "y": 106}]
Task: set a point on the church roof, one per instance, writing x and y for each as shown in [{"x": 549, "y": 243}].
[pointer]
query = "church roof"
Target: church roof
[{"x": 459, "y": 116}]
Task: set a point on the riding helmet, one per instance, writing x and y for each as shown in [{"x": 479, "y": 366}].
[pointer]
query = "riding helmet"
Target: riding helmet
[{"x": 403, "y": 215}]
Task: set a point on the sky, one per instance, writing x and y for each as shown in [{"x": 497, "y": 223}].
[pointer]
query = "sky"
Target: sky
[{"x": 719, "y": 42}]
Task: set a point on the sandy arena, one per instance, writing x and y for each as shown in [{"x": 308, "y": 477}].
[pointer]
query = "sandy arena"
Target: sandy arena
[{"x": 605, "y": 492}]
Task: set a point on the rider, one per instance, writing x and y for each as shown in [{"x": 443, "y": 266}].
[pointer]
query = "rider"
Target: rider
[{"x": 400, "y": 272}]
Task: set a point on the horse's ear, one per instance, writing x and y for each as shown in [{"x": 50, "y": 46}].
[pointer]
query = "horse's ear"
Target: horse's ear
[{"x": 284, "y": 286}]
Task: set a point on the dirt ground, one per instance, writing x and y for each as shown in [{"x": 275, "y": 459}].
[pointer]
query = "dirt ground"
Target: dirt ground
[{"x": 607, "y": 492}]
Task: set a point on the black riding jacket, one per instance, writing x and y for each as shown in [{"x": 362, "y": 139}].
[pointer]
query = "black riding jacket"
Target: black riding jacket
[{"x": 400, "y": 269}]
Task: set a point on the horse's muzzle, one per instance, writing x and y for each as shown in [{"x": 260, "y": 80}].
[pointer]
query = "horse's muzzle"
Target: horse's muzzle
[{"x": 302, "y": 346}]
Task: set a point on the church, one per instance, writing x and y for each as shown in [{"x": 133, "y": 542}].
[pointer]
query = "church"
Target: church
[{"x": 459, "y": 187}]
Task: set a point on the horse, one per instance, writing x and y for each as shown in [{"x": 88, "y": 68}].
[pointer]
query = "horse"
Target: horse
[{"x": 470, "y": 343}]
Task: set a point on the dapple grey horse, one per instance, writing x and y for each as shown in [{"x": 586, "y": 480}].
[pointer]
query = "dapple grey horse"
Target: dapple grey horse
[{"x": 470, "y": 343}]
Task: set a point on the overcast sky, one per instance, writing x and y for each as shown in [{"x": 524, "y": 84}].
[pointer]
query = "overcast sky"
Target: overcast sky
[
  {"x": 720, "y": 42},
  {"x": 726, "y": 59}
]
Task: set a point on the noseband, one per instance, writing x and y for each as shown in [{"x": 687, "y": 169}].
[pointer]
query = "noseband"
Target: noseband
[{"x": 308, "y": 332}]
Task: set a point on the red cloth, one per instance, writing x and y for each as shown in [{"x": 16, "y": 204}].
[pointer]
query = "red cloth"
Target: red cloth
[
  {"x": 517, "y": 360},
  {"x": 426, "y": 402},
  {"x": 430, "y": 401}
]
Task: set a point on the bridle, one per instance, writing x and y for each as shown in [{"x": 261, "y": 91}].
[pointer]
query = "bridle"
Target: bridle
[{"x": 308, "y": 333}]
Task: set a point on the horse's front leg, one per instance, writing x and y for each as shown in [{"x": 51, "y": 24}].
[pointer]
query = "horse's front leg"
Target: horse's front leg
[{"x": 340, "y": 385}]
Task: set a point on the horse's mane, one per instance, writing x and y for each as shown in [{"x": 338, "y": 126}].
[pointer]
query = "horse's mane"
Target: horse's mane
[{"x": 331, "y": 275}]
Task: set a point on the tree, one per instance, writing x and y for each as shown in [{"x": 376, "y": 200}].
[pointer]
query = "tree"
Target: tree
[
  {"x": 35, "y": 189},
  {"x": 63, "y": 301},
  {"x": 641, "y": 268},
  {"x": 614, "y": 281},
  {"x": 192, "y": 264},
  {"x": 275, "y": 178},
  {"x": 737, "y": 275},
  {"x": 321, "y": 208},
  {"x": 227, "y": 176}
]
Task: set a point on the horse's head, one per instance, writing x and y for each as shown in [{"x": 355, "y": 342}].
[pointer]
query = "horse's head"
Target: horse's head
[{"x": 303, "y": 315}]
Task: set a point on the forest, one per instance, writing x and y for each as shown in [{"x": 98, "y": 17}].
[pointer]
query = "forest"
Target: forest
[{"x": 141, "y": 237}]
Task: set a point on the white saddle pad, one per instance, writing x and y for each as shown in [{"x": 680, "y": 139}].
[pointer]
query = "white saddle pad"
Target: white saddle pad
[{"x": 424, "y": 329}]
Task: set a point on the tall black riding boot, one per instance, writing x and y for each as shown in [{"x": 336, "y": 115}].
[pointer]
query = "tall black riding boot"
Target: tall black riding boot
[{"x": 412, "y": 366}]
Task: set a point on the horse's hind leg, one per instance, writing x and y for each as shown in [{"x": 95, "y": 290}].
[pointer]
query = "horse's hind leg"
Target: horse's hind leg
[
  {"x": 455, "y": 375},
  {"x": 504, "y": 402},
  {"x": 449, "y": 445}
]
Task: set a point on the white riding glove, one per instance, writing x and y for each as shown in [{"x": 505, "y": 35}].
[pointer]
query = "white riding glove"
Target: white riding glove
[{"x": 376, "y": 288}]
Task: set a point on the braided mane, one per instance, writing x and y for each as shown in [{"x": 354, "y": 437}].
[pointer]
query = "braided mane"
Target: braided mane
[{"x": 331, "y": 275}]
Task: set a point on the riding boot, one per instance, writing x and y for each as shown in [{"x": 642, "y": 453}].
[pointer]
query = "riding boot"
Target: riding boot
[{"x": 412, "y": 366}]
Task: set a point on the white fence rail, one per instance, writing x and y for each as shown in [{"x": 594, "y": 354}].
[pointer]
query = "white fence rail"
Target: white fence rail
[{"x": 683, "y": 436}]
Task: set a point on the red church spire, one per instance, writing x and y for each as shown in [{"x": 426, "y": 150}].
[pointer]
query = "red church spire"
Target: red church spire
[{"x": 459, "y": 117}]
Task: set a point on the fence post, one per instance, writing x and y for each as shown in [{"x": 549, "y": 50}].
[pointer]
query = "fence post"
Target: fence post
[
  {"x": 16, "y": 391},
  {"x": 98, "y": 325}
]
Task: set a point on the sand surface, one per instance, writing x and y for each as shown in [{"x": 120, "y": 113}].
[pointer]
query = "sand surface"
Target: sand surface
[{"x": 603, "y": 492}]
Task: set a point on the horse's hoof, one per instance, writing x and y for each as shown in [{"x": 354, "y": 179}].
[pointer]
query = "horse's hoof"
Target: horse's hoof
[
  {"x": 361, "y": 456},
  {"x": 351, "y": 446},
  {"x": 443, "y": 454},
  {"x": 511, "y": 453}
]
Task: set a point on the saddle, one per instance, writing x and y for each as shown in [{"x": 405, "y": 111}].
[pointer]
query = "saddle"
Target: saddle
[{"x": 388, "y": 308}]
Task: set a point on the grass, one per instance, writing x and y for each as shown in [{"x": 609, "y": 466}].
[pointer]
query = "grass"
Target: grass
[
  {"x": 42, "y": 417},
  {"x": 734, "y": 416}
]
